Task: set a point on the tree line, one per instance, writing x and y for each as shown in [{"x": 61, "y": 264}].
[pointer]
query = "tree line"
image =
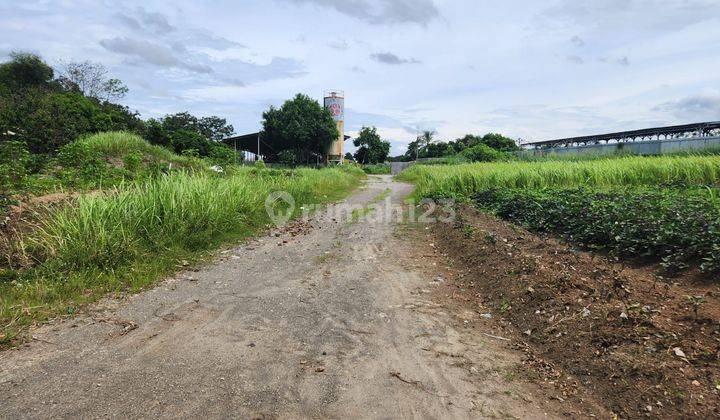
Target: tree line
[
  {"x": 489, "y": 147},
  {"x": 44, "y": 108}
]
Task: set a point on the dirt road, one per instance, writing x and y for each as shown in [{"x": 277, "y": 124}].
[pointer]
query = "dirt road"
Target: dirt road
[{"x": 328, "y": 319}]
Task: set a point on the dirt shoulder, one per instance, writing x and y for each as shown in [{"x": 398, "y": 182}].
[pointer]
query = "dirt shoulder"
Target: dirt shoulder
[{"x": 620, "y": 332}]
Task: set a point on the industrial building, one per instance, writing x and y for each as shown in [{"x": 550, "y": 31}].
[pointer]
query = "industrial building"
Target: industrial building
[{"x": 648, "y": 141}]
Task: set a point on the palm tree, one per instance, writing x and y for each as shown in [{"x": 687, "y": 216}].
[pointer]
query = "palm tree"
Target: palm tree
[
  {"x": 423, "y": 141},
  {"x": 426, "y": 138}
]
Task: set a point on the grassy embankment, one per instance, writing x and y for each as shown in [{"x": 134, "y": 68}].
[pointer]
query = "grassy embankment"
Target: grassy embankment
[
  {"x": 126, "y": 237},
  {"x": 658, "y": 208}
]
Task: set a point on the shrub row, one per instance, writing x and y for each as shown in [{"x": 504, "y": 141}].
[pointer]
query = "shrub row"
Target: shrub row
[
  {"x": 377, "y": 169},
  {"x": 679, "y": 227}
]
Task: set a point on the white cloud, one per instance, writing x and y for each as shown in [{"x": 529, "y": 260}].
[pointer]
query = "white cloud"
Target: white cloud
[
  {"x": 703, "y": 106},
  {"x": 484, "y": 68},
  {"x": 382, "y": 11}
]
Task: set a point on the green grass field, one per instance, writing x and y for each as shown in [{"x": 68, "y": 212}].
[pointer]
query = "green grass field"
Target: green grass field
[
  {"x": 660, "y": 209},
  {"x": 468, "y": 179}
]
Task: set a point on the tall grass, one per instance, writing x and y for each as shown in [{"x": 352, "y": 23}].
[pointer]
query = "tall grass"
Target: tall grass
[
  {"x": 180, "y": 210},
  {"x": 468, "y": 179},
  {"x": 118, "y": 144},
  {"x": 128, "y": 236},
  {"x": 377, "y": 169}
]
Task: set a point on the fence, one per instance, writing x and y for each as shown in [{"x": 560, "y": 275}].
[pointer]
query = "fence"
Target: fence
[{"x": 652, "y": 147}]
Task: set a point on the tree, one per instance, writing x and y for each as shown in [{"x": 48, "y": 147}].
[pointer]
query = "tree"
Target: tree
[
  {"x": 180, "y": 121},
  {"x": 184, "y": 131},
  {"x": 413, "y": 150},
  {"x": 186, "y": 140},
  {"x": 426, "y": 138},
  {"x": 91, "y": 79},
  {"x": 46, "y": 121},
  {"x": 493, "y": 140},
  {"x": 349, "y": 157},
  {"x": 156, "y": 133},
  {"x": 25, "y": 70},
  {"x": 215, "y": 128},
  {"x": 301, "y": 125},
  {"x": 114, "y": 89},
  {"x": 439, "y": 149},
  {"x": 469, "y": 140},
  {"x": 499, "y": 142},
  {"x": 44, "y": 115},
  {"x": 371, "y": 148},
  {"x": 482, "y": 153}
]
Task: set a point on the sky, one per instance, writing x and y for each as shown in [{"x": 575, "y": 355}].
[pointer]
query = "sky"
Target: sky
[{"x": 532, "y": 70}]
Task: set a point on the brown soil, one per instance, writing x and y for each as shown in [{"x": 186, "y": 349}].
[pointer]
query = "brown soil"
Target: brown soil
[{"x": 629, "y": 338}]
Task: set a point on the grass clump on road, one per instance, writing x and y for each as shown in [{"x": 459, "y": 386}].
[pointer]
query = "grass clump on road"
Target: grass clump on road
[{"x": 129, "y": 236}]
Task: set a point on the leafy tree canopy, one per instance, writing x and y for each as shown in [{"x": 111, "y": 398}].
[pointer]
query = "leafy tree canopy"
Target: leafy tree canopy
[
  {"x": 499, "y": 142},
  {"x": 371, "y": 148},
  {"x": 215, "y": 128},
  {"x": 184, "y": 131},
  {"x": 300, "y": 124},
  {"x": 25, "y": 70},
  {"x": 46, "y": 121},
  {"x": 483, "y": 153},
  {"x": 426, "y": 147}
]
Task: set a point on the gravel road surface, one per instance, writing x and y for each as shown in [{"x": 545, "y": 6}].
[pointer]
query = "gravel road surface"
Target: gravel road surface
[{"x": 329, "y": 319}]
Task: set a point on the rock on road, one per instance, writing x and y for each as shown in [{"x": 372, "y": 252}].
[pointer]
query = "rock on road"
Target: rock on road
[{"x": 326, "y": 324}]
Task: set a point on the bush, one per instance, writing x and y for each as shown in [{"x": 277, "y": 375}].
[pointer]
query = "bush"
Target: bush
[
  {"x": 287, "y": 157},
  {"x": 222, "y": 155},
  {"x": 79, "y": 154},
  {"x": 482, "y": 153},
  {"x": 82, "y": 165},
  {"x": 132, "y": 162},
  {"x": 14, "y": 161},
  {"x": 48, "y": 121}
]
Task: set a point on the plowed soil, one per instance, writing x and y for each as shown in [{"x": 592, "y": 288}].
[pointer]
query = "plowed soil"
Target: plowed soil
[{"x": 626, "y": 335}]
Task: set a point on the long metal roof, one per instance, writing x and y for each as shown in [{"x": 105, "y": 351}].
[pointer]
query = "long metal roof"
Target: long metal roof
[
  {"x": 249, "y": 143},
  {"x": 699, "y": 129}
]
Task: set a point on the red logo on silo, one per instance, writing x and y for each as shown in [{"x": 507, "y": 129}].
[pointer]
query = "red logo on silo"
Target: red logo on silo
[{"x": 335, "y": 109}]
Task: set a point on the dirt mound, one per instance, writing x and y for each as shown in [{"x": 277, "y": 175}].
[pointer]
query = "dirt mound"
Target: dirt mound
[{"x": 633, "y": 339}]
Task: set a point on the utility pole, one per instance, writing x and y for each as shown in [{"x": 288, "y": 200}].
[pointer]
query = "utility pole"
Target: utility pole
[{"x": 258, "y": 148}]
